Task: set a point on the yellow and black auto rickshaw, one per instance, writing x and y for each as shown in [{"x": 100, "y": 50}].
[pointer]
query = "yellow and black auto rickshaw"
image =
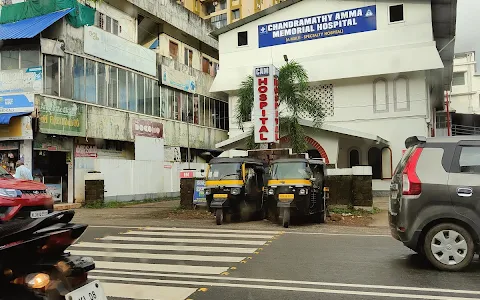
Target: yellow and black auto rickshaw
[
  {"x": 295, "y": 186},
  {"x": 234, "y": 187}
]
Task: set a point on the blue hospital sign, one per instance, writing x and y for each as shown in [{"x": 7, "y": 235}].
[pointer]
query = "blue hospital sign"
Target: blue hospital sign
[{"x": 349, "y": 21}]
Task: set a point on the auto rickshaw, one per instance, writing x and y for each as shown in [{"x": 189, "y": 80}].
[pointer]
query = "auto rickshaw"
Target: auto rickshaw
[
  {"x": 234, "y": 187},
  {"x": 296, "y": 186}
]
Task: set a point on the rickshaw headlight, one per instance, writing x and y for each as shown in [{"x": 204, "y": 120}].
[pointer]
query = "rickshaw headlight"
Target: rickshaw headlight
[
  {"x": 302, "y": 192},
  {"x": 235, "y": 191},
  {"x": 271, "y": 192},
  {"x": 208, "y": 192}
]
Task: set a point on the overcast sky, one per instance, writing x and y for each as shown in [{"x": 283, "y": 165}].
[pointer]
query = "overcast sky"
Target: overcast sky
[{"x": 468, "y": 26}]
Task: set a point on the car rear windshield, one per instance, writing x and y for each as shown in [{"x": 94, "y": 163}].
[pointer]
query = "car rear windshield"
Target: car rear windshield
[{"x": 403, "y": 161}]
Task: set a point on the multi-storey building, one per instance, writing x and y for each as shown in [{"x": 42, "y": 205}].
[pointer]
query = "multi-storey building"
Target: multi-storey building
[
  {"x": 223, "y": 12},
  {"x": 119, "y": 88},
  {"x": 379, "y": 68}
]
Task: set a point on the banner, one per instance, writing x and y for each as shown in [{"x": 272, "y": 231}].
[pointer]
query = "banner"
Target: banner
[
  {"x": 344, "y": 22},
  {"x": 17, "y": 103},
  {"x": 178, "y": 80},
  {"x": 199, "y": 197},
  {"x": 27, "y": 80},
  {"x": 61, "y": 117}
]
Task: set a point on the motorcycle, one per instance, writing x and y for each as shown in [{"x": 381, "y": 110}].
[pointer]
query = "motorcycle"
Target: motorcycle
[{"x": 34, "y": 263}]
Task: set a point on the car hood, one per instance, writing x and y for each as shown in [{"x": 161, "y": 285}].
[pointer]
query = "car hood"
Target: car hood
[{"x": 20, "y": 184}]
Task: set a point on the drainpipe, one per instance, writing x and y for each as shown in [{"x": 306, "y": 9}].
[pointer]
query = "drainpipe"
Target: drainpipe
[{"x": 447, "y": 103}]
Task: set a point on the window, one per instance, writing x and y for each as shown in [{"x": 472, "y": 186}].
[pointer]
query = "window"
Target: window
[
  {"x": 206, "y": 65},
  {"x": 66, "y": 76},
  {"x": 102, "y": 84},
  {"x": 156, "y": 99},
  {"x": 122, "y": 89},
  {"x": 380, "y": 95},
  {"x": 219, "y": 21},
  {"x": 174, "y": 104},
  {"x": 401, "y": 94},
  {"x": 354, "y": 158},
  {"x": 112, "y": 87},
  {"x": 90, "y": 81},
  {"x": 201, "y": 115},
  {"x": 52, "y": 80},
  {"x": 242, "y": 38},
  {"x": 470, "y": 160},
  {"x": 173, "y": 50},
  {"x": 115, "y": 27},
  {"x": 458, "y": 78},
  {"x": 188, "y": 57},
  {"x": 223, "y": 4},
  {"x": 148, "y": 96},
  {"x": 79, "y": 78},
  {"x": 30, "y": 59},
  {"x": 183, "y": 104},
  {"x": 107, "y": 23},
  {"x": 396, "y": 13},
  {"x": 140, "y": 94},
  {"x": 10, "y": 60},
  {"x": 235, "y": 14},
  {"x": 132, "y": 93},
  {"x": 166, "y": 103},
  {"x": 190, "y": 114},
  {"x": 196, "y": 103}
]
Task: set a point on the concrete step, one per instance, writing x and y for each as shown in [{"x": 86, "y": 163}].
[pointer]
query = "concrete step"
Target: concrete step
[{"x": 66, "y": 206}]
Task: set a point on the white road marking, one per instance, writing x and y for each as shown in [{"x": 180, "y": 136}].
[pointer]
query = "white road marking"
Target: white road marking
[
  {"x": 139, "y": 267},
  {"x": 146, "y": 292},
  {"x": 166, "y": 247},
  {"x": 182, "y": 241},
  {"x": 211, "y": 230},
  {"x": 338, "y": 234},
  {"x": 296, "y": 282},
  {"x": 110, "y": 226},
  {"x": 198, "y": 234},
  {"x": 158, "y": 256},
  {"x": 283, "y": 288}
]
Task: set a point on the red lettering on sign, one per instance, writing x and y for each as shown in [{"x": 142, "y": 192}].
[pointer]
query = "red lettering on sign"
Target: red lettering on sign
[
  {"x": 263, "y": 97},
  {"x": 263, "y": 129},
  {"x": 262, "y": 137},
  {"x": 264, "y": 113},
  {"x": 263, "y": 81},
  {"x": 264, "y": 120},
  {"x": 262, "y": 89},
  {"x": 263, "y": 105}
]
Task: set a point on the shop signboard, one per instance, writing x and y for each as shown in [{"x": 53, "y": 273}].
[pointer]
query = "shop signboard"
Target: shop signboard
[
  {"x": 355, "y": 20},
  {"x": 61, "y": 117},
  {"x": 21, "y": 81},
  {"x": 265, "y": 107},
  {"x": 186, "y": 174},
  {"x": 147, "y": 128},
  {"x": 172, "y": 154},
  {"x": 86, "y": 151},
  {"x": 19, "y": 128},
  {"x": 199, "y": 197},
  {"x": 111, "y": 47},
  {"x": 178, "y": 80},
  {"x": 17, "y": 103}
]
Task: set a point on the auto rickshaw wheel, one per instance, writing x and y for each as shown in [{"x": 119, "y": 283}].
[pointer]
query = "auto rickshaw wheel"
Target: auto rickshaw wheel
[
  {"x": 219, "y": 216},
  {"x": 286, "y": 217}
]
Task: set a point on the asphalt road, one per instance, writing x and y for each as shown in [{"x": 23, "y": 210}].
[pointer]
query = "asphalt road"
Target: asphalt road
[{"x": 185, "y": 263}]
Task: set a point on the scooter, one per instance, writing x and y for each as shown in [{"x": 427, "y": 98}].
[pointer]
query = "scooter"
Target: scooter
[{"x": 34, "y": 263}]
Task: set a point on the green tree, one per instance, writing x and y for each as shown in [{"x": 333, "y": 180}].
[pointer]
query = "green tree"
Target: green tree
[{"x": 292, "y": 85}]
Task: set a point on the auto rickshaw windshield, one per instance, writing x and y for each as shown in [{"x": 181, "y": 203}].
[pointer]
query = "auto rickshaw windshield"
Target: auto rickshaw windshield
[
  {"x": 231, "y": 171},
  {"x": 290, "y": 170}
]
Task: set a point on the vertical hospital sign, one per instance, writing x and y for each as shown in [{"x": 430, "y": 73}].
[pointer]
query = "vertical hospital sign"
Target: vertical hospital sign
[{"x": 265, "y": 111}]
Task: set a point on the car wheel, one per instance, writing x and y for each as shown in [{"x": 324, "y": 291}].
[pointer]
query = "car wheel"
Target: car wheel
[{"x": 449, "y": 247}]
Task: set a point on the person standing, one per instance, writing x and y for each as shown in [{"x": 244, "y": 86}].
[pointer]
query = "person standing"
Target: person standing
[{"x": 22, "y": 172}]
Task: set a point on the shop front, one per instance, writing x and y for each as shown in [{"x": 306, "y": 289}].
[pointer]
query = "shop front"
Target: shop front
[{"x": 59, "y": 122}]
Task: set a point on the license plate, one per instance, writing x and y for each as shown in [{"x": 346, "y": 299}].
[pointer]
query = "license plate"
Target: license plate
[
  {"x": 286, "y": 196},
  {"x": 91, "y": 291},
  {"x": 38, "y": 214},
  {"x": 220, "y": 196}
]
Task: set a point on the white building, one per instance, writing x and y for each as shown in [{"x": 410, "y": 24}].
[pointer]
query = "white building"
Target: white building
[{"x": 380, "y": 77}]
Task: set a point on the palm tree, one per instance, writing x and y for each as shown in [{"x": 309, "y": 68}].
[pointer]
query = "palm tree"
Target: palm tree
[{"x": 292, "y": 85}]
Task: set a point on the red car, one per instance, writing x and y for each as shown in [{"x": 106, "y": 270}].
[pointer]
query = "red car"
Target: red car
[{"x": 21, "y": 199}]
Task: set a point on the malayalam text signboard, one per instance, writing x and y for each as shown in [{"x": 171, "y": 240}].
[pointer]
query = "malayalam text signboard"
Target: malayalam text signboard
[
  {"x": 147, "y": 128},
  {"x": 178, "y": 80},
  {"x": 266, "y": 102},
  {"x": 61, "y": 117},
  {"x": 26, "y": 80},
  {"x": 337, "y": 23}
]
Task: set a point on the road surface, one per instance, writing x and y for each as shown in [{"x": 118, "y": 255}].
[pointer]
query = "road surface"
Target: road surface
[{"x": 216, "y": 263}]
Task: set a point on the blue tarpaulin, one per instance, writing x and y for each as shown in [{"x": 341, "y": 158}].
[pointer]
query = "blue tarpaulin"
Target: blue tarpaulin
[
  {"x": 5, "y": 118},
  {"x": 29, "y": 28}
]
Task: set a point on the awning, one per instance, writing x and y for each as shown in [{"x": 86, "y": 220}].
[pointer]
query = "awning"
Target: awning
[
  {"x": 343, "y": 65},
  {"x": 29, "y": 28},
  {"x": 5, "y": 118}
]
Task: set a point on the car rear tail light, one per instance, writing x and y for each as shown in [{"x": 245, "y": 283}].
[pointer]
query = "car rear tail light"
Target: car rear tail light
[
  {"x": 411, "y": 182},
  {"x": 61, "y": 240}
]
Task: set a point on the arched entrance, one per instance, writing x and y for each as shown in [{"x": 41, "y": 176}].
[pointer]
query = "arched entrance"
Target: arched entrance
[
  {"x": 375, "y": 161},
  {"x": 313, "y": 143}
]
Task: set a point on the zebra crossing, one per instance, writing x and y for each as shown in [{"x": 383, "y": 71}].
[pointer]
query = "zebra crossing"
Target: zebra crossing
[{"x": 130, "y": 264}]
